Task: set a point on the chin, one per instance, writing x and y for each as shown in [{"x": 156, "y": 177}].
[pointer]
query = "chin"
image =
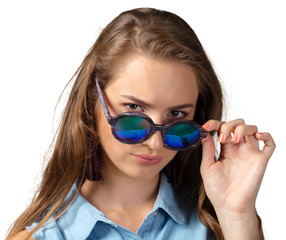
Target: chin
[{"x": 143, "y": 174}]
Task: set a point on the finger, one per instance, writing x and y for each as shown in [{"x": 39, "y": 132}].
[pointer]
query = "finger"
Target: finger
[
  {"x": 208, "y": 154},
  {"x": 269, "y": 146},
  {"x": 227, "y": 128},
  {"x": 224, "y": 128},
  {"x": 245, "y": 132},
  {"x": 212, "y": 125}
]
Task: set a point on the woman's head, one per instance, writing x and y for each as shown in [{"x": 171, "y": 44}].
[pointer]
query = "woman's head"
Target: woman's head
[{"x": 153, "y": 34}]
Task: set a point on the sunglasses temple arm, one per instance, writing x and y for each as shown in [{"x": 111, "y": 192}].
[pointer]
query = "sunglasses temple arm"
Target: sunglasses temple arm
[{"x": 102, "y": 100}]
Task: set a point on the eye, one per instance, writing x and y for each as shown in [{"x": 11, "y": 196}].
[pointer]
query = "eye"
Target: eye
[
  {"x": 177, "y": 114},
  {"x": 134, "y": 107}
]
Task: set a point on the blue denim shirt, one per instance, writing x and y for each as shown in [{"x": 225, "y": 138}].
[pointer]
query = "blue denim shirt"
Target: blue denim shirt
[{"x": 167, "y": 220}]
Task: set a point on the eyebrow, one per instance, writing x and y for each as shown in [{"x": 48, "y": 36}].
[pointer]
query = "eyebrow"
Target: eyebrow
[{"x": 140, "y": 102}]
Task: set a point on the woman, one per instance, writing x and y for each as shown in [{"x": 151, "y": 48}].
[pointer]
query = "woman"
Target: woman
[{"x": 154, "y": 175}]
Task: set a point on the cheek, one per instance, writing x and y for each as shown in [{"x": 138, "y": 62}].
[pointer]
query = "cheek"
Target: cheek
[
  {"x": 171, "y": 154},
  {"x": 110, "y": 145}
]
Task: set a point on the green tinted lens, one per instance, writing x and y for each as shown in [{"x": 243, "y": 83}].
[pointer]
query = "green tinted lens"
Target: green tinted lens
[
  {"x": 182, "y": 135},
  {"x": 132, "y": 128}
]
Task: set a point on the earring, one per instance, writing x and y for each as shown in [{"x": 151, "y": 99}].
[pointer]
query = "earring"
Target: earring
[{"x": 93, "y": 172}]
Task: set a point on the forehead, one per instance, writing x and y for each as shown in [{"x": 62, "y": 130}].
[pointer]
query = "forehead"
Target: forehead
[{"x": 156, "y": 81}]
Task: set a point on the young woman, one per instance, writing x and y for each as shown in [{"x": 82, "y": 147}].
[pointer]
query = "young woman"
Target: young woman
[{"x": 134, "y": 157}]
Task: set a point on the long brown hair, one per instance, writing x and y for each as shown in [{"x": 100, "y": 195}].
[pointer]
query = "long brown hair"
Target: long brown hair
[{"x": 161, "y": 35}]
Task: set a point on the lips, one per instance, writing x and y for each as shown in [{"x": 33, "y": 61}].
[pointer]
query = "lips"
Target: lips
[{"x": 148, "y": 159}]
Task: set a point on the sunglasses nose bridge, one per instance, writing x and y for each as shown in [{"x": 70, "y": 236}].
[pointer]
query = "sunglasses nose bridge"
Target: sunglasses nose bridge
[
  {"x": 159, "y": 128},
  {"x": 155, "y": 139}
]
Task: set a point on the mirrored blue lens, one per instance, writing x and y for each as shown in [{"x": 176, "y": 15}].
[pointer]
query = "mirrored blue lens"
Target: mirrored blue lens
[
  {"x": 132, "y": 128},
  {"x": 182, "y": 135}
]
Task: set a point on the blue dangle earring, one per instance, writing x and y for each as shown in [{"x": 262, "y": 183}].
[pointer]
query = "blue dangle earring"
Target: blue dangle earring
[{"x": 93, "y": 171}]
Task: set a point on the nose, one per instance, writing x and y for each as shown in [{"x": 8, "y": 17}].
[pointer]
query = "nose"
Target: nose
[{"x": 155, "y": 142}]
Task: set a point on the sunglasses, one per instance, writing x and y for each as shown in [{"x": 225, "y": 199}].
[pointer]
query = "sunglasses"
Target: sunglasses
[{"x": 134, "y": 127}]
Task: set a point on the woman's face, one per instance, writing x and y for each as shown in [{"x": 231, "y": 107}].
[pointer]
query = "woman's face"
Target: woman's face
[{"x": 166, "y": 91}]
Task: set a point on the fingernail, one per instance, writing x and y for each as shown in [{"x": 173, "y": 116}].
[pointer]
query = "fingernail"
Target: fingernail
[
  {"x": 234, "y": 137},
  {"x": 259, "y": 134},
  {"x": 206, "y": 125},
  {"x": 220, "y": 138}
]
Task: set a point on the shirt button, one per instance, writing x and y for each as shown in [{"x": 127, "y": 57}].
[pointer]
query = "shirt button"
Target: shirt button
[{"x": 155, "y": 213}]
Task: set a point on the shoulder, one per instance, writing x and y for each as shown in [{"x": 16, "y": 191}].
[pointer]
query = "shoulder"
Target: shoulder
[{"x": 23, "y": 235}]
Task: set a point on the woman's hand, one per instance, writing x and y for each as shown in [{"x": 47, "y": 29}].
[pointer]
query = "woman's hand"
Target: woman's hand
[{"x": 232, "y": 182}]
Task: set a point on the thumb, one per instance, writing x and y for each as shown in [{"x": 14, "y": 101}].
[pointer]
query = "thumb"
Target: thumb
[{"x": 208, "y": 154}]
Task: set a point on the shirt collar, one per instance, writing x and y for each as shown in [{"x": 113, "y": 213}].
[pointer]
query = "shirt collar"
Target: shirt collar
[{"x": 80, "y": 218}]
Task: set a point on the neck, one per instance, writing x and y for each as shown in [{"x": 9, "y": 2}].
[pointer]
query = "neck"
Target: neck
[{"x": 119, "y": 191}]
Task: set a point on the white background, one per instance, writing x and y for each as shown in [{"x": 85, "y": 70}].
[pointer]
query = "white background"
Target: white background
[{"x": 42, "y": 43}]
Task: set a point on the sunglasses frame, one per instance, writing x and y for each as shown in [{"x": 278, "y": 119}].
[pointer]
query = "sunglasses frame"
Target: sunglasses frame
[{"x": 153, "y": 127}]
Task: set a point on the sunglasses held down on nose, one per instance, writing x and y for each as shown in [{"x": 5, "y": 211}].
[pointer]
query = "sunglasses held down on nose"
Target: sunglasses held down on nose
[{"x": 134, "y": 127}]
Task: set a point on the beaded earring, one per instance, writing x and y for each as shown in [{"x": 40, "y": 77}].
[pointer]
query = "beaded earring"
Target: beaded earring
[{"x": 93, "y": 172}]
